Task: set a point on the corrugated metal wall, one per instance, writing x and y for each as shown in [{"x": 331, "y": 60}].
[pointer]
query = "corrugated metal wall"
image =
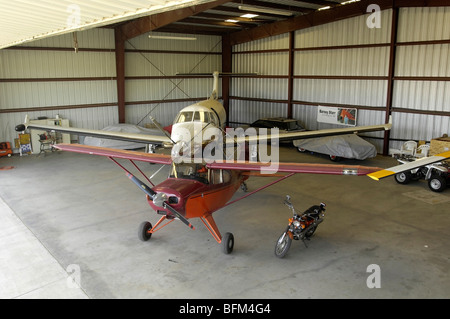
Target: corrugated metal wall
[
  {"x": 265, "y": 61},
  {"x": 312, "y": 64},
  {"x": 43, "y": 78},
  {"x": 347, "y": 63},
  {"x": 48, "y": 74},
  {"x": 422, "y": 63},
  {"x": 357, "y": 71},
  {"x": 141, "y": 63}
]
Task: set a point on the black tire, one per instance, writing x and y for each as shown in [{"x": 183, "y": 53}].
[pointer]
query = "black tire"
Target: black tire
[
  {"x": 227, "y": 243},
  {"x": 143, "y": 233},
  {"x": 283, "y": 245},
  {"x": 310, "y": 232},
  {"x": 403, "y": 177},
  {"x": 437, "y": 183}
]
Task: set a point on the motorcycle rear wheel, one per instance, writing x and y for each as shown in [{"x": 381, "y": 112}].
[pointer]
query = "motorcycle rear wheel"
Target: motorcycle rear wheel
[
  {"x": 310, "y": 232},
  {"x": 283, "y": 245}
]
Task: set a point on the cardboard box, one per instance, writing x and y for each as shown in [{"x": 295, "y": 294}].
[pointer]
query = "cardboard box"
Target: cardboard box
[{"x": 439, "y": 145}]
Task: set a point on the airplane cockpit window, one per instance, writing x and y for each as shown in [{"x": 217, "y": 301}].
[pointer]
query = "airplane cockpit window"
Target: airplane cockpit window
[
  {"x": 190, "y": 171},
  {"x": 184, "y": 117},
  {"x": 197, "y": 116}
]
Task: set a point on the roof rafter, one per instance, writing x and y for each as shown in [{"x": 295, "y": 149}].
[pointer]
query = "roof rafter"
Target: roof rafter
[{"x": 142, "y": 25}]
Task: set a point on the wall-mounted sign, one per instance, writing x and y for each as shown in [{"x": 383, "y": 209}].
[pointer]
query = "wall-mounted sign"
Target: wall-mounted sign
[{"x": 337, "y": 115}]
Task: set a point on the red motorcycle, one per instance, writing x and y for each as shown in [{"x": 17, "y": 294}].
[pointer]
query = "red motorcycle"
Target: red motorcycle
[{"x": 301, "y": 226}]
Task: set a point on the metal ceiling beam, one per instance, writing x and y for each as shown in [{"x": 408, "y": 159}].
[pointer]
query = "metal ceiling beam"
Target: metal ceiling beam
[
  {"x": 194, "y": 29},
  {"x": 200, "y": 21},
  {"x": 153, "y": 22}
]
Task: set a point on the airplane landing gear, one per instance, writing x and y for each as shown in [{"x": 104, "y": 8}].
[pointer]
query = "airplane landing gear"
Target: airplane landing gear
[
  {"x": 144, "y": 233},
  {"x": 227, "y": 243}
]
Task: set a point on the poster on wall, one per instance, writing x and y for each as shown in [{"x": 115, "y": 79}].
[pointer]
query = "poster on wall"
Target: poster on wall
[{"x": 337, "y": 115}]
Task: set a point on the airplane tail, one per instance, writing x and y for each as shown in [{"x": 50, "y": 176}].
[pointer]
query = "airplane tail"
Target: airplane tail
[{"x": 216, "y": 74}]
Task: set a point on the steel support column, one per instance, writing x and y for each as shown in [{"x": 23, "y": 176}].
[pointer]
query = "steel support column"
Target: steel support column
[
  {"x": 291, "y": 73},
  {"x": 391, "y": 74},
  {"x": 120, "y": 72},
  {"x": 226, "y": 67}
]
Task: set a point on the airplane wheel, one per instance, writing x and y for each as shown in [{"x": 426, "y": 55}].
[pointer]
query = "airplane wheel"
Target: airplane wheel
[
  {"x": 143, "y": 233},
  {"x": 227, "y": 243}
]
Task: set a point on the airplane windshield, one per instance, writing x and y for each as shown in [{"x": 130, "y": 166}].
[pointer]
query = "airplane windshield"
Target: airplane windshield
[
  {"x": 190, "y": 171},
  {"x": 197, "y": 116},
  {"x": 184, "y": 117}
]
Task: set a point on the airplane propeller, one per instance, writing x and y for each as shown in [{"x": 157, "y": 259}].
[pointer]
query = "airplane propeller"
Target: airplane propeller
[{"x": 159, "y": 199}]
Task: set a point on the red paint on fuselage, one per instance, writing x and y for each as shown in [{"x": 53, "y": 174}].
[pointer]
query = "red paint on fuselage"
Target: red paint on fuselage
[{"x": 196, "y": 198}]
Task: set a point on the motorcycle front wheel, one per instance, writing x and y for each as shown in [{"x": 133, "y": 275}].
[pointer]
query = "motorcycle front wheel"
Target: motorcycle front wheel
[{"x": 283, "y": 244}]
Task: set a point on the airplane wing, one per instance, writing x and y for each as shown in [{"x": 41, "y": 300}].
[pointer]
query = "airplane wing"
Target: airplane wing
[
  {"x": 115, "y": 153},
  {"x": 306, "y": 168},
  {"x": 409, "y": 166},
  {"x": 122, "y": 136},
  {"x": 310, "y": 134}
]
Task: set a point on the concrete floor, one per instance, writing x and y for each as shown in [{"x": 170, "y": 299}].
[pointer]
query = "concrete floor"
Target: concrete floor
[{"x": 66, "y": 215}]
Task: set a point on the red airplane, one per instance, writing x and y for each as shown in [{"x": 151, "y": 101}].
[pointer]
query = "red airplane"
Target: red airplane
[{"x": 197, "y": 189}]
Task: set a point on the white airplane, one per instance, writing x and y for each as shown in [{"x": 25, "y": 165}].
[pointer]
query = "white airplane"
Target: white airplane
[{"x": 192, "y": 120}]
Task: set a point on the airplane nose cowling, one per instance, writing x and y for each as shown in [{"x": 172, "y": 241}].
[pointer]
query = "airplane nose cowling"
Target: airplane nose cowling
[{"x": 159, "y": 199}]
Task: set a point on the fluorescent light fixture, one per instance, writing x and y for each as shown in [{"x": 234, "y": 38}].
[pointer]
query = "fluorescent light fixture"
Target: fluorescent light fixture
[
  {"x": 231, "y": 20},
  {"x": 167, "y": 37},
  {"x": 249, "y": 15},
  {"x": 350, "y": 1},
  {"x": 265, "y": 10},
  {"x": 324, "y": 8}
]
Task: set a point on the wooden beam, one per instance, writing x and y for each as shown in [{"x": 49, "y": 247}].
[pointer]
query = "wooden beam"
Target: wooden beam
[{"x": 146, "y": 24}]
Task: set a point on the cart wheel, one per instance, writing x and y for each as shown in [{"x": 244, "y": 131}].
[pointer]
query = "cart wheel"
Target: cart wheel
[
  {"x": 143, "y": 233},
  {"x": 227, "y": 243},
  {"x": 437, "y": 183},
  {"x": 403, "y": 178}
]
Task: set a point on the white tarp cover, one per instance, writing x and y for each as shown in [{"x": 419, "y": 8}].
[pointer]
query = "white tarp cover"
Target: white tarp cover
[
  {"x": 124, "y": 145},
  {"x": 346, "y": 146}
]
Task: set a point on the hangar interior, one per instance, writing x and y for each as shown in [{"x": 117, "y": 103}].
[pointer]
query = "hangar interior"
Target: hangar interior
[{"x": 66, "y": 210}]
